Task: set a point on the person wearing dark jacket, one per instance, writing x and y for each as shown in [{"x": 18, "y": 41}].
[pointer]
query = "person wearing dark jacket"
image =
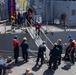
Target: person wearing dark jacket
[
  {"x": 5, "y": 64},
  {"x": 72, "y": 51},
  {"x": 21, "y": 19},
  {"x": 25, "y": 46},
  {"x": 37, "y": 27},
  {"x": 2, "y": 66},
  {"x": 41, "y": 51},
  {"x": 16, "y": 45},
  {"x": 66, "y": 57},
  {"x": 54, "y": 53},
  {"x": 60, "y": 46}
]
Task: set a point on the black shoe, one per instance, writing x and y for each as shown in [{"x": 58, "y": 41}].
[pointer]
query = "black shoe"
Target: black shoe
[
  {"x": 49, "y": 67},
  {"x": 27, "y": 61},
  {"x": 59, "y": 63},
  {"x": 16, "y": 61},
  {"x": 72, "y": 63},
  {"x": 36, "y": 63},
  {"x": 41, "y": 63}
]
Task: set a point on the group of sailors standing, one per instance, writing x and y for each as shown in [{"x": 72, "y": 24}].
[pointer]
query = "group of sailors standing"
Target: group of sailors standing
[{"x": 54, "y": 55}]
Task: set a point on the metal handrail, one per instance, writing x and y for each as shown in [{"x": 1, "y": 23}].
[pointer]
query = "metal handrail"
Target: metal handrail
[
  {"x": 4, "y": 21},
  {"x": 42, "y": 30},
  {"x": 44, "y": 34}
]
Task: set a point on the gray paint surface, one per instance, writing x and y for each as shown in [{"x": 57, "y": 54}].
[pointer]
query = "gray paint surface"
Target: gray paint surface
[
  {"x": 61, "y": 35},
  {"x": 43, "y": 8},
  {"x": 4, "y": 9},
  {"x": 54, "y": 36},
  {"x": 52, "y": 9},
  {"x": 66, "y": 7},
  {"x": 6, "y": 46}
]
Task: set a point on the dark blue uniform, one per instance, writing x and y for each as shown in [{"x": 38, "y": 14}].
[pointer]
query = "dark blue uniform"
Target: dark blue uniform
[
  {"x": 66, "y": 57},
  {"x": 41, "y": 51},
  {"x": 16, "y": 45},
  {"x": 72, "y": 56},
  {"x": 54, "y": 53},
  {"x": 25, "y": 47},
  {"x": 60, "y": 46},
  {"x": 72, "y": 47},
  {"x": 2, "y": 67},
  {"x": 21, "y": 19},
  {"x": 16, "y": 53}
]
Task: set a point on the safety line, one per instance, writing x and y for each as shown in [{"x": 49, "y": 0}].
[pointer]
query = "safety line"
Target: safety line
[{"x": 32, "y": 51}]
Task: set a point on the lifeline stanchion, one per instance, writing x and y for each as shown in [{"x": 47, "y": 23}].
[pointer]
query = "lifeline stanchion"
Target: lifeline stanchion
[
  {"x": 11, "y": 27},
  {"x": 5, "y": 27}
]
